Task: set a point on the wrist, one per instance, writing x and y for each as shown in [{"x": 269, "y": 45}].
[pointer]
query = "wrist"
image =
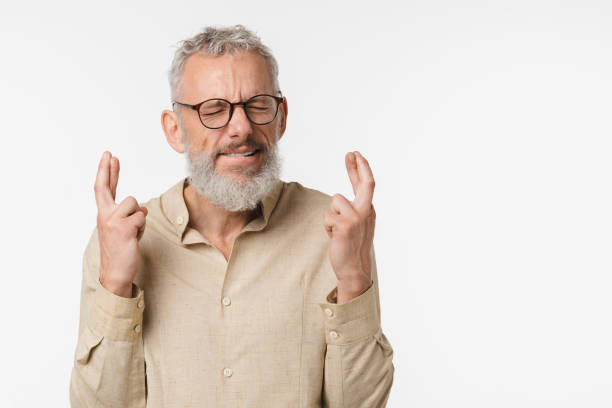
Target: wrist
[
  {"x": 123, "y": 289},
  {"x": 349, "y": 289}
]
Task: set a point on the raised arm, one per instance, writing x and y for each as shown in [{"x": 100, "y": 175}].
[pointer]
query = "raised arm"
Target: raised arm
[
  {"x": 358, "y": 359},
  {"x": 109, "y": 366}
]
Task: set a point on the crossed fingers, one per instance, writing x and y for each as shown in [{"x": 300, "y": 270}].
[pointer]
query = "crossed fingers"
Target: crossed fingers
[
  {"x": 362, "y": 181},
  {"x": 105, "y": 189}
]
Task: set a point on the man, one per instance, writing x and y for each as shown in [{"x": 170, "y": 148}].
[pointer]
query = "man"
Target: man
[{"x": 259, "y": 292}]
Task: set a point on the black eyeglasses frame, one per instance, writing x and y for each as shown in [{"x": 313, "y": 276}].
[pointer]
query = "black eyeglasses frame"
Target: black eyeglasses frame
[{"x": 196, "y": 107}]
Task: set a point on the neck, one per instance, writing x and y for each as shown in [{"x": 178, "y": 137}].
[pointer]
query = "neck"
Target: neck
[{"x": 214, "y": 223}]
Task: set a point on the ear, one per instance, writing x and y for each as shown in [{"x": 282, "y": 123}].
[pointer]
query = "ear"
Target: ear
[
  {"x": 284, "y": 111},
  {"x": 172, "y": 130}
]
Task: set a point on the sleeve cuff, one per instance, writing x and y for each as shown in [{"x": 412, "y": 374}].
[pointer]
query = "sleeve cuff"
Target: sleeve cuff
[
  {"x": 350, "y": 321},
  {"x": 116, "y": 317}
]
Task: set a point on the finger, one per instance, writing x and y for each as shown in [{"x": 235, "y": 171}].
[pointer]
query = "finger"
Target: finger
[
  {"x": 140, "y": 232},
  {"x": 365, "y": 190},
  {"x": 330, "y": 222},
  {"x": 371, "y": 224},
  {"x": 138, "y": 219},
  {"x": 102, "y": 190},
  {"x": 114, "y": 175},
  {"x": 127, "y": 207},
  {"x": 341, "y": 205},
  {"x": 351, "y": 168}
]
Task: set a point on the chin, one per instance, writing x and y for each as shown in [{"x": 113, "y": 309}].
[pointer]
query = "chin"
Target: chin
[
  {"x": 239, "y": 173},
  {"x": 240, "y": 170}
]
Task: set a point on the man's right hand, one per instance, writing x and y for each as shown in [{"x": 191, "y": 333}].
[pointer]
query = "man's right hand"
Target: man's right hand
[{"x": 120, "y": 227}]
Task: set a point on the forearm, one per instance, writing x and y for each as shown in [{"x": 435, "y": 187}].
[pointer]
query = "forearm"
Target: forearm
[
  {"x": 349, "y": 290},
  {"x": 118, "y": 288},
  {"x": 109, "y": 367},
  {"x": 359, "y": 358},
  {"x": 109, "y": 374}
]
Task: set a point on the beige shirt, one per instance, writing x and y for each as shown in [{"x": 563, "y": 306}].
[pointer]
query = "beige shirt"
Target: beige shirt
[{"x": 261, "y": 329}]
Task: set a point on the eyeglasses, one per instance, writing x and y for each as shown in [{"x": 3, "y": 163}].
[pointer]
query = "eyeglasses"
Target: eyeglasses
[{"x": 216, "y": 113}]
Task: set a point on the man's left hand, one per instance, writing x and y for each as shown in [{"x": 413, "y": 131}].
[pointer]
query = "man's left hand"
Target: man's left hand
[{"x": 350, "y": 225}]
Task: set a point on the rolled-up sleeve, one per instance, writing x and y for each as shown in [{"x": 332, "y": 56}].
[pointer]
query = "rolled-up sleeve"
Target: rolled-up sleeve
[
  {"x": 109, "y": 367},
  {"x": 358, "y": 358}
]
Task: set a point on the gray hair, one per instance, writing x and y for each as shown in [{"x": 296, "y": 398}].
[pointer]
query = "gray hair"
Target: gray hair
[{"x": 216, "y": 41}]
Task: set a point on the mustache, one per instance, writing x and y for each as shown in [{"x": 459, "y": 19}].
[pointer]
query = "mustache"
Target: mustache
[{"x": 250, "y": 144}]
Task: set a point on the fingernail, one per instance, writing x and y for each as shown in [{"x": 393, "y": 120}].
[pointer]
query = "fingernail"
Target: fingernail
[{"x": 352, "y": 157}]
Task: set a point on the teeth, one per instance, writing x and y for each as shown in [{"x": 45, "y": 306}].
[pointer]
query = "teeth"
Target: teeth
[{"x": 241, "y": 154}]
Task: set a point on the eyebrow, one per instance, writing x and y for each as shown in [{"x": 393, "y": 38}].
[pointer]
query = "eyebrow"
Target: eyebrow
[
  {"x": 214, "y": 102},
  {"x": 256, "y": 92},
  {"x": 259, "y": 92}
]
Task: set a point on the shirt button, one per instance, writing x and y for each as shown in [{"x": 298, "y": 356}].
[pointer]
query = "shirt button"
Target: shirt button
[
  {"x": 329, "y": 312},
  {"x": 226, "y": 301},
  {"x": 137, "y": 328},
  {"x": 179, "y": 220},
  {"x": 140, "y": 304},
  {"x": 333, "y": 335},
  {"x": 227, "y": 372}
]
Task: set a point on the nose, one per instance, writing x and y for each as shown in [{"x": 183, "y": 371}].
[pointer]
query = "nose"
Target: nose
[{"x": 239, "y": 125}]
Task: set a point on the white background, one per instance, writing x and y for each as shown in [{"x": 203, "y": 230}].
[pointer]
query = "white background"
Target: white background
[{"x": 487, "y": 125}]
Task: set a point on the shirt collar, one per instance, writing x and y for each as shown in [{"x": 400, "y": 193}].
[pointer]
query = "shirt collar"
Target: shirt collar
[{"x": 175, "y": 209}]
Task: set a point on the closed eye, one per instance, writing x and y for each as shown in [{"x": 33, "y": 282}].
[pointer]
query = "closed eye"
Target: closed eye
[{"x": 212, "y": 113}]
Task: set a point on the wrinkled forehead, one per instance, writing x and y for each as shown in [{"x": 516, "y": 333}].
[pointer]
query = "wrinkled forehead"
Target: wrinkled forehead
[{"x": 229, "y": 76}]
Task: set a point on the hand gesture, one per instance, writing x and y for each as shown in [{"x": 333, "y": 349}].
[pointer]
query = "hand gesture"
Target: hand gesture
[
  {"x": 120, "y": 227},
  {"x": 350, "y": 226}
]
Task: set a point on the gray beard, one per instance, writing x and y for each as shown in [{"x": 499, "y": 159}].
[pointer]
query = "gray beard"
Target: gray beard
[{"x": 227, "y": 192}]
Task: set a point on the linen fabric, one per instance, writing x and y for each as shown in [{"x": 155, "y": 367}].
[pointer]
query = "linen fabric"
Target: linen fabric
[{"x": 261, "y": 329}]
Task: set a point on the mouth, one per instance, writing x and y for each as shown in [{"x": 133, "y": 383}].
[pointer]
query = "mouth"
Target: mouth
[
  {"x": 247, "y": 158},
  {"x": 245, "y": 154}
]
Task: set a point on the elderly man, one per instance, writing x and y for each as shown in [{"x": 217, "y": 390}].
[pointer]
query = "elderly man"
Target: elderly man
[{"x": 259, "y": 292}]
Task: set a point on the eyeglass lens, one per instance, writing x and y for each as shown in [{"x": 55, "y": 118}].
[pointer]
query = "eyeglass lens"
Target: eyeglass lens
[{"x": 260, "y": 110}]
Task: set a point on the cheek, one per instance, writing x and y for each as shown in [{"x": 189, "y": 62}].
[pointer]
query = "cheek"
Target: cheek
[
  {"x": 201, "y": 141},
  {"x": 272, "y": 131}
]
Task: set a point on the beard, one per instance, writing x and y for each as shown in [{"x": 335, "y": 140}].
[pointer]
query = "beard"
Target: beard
[{"x": 234, "y": 194}]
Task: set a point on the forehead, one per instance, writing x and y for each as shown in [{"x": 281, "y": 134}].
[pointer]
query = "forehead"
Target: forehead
[{"x": 232, "y": 77}]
